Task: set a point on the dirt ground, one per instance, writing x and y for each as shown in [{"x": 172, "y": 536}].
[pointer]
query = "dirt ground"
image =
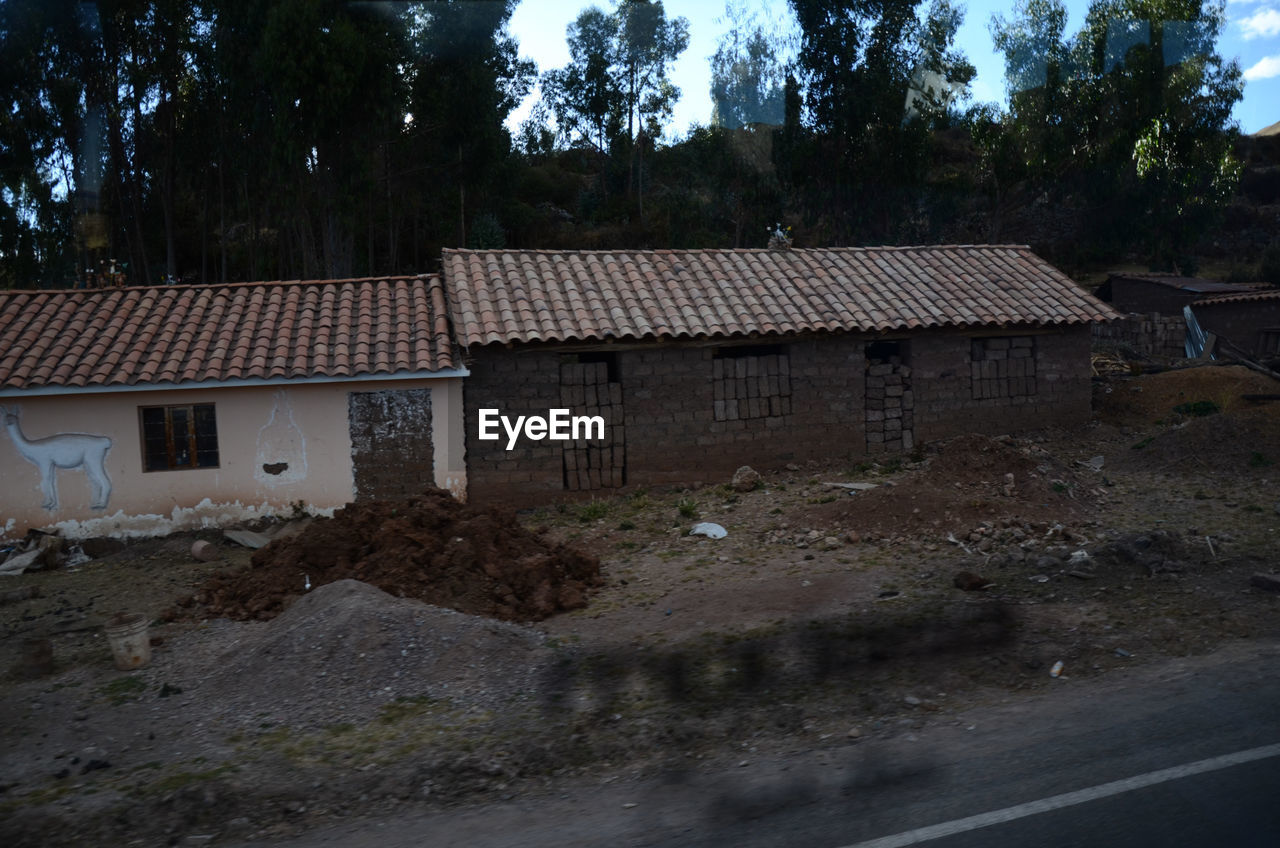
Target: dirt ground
[{"x": 825, "y": 616}]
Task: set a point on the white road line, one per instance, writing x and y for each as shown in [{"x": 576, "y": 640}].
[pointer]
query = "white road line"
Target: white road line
[{"x": 1069, "y": 799}]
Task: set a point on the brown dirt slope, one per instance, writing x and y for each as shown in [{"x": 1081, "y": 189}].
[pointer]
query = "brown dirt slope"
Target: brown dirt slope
[
  {"x": 1241, "y": 437},
  {"x": 430, "y": 547},
  {"x": 968, "y": 480}
]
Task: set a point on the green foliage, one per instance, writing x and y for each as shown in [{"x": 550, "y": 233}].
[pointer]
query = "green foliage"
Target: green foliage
[
  {"x": 748, "y": 75},
  {"x": 878, "y": 77},
  {"x": 1198, "y": 409},
  {"x": 1127, "y": 123},
  {"x": 593, "y": 511},
  {"x": 687, "y": 507}
]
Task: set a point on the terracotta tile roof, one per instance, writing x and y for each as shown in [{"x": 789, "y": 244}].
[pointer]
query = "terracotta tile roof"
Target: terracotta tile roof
[
  {"x": 525, "y": 295},
  {"x": 1268, "y": 294},
  {"x": 179, "y": 334}
]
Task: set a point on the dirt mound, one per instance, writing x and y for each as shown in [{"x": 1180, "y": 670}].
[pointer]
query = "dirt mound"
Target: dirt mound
[
  {"x": 1243, "y": 442},
  {"x": 1142, "y": 401},
  {"x": 345, "y": 650},
  {"x": 967, "y": 481},
  {"x": 431, "y": 547},
  {"x": 1196, "y": 419}
]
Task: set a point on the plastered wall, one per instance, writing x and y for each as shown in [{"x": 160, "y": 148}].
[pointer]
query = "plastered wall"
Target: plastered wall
[{"x": 278, "y": 447}]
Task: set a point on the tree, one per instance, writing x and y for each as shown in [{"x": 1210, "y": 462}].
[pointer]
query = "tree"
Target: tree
[
  {"x": 860, "y": 62},
  {"x": 586, "y": 95},
  {"x": 747, "y": 74},
  {"x": 1131, "y": 117}
]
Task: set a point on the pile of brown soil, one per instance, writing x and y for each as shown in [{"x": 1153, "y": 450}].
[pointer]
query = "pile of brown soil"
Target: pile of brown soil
[
  {"x": 965, "y": 483},
  {"x": 1197, "y": 420},
  {"x": 1141, "y": 401},
  {"x": 430, "y": 547}
]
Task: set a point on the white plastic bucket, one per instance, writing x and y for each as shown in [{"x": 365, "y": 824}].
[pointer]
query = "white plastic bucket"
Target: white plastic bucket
[{"x": 130, "y": 641}]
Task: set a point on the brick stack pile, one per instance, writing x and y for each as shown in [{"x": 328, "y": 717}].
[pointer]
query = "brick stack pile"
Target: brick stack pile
[
  {"x": 600, "y": 464},
  {"x": 751, "y": 386},
  {"x": 1003, "y": 367},
  {"x": 890, "y": 406}
]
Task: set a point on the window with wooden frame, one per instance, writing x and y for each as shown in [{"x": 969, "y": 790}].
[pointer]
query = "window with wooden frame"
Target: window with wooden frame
[{"x": 178, "y": 437}]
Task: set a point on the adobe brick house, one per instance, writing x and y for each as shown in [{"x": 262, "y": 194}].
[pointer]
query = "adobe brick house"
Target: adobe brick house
[
  {"x": 1165, "y": 294},
  {"x": 702, "y": 361},
  {"x": 1250, "y": 321},
  {"x": 139, "y": 411}
]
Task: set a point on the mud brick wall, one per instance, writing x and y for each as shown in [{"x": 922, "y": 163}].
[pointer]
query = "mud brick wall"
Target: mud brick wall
[
  {"x": 673, "y": 434},
  {"x": 670, "y": 426},
  {"x": 1003, "y": 367},
  {"x": 1144, "y": 296},
  {"x": 750, "y": 386},
  {"x": 585, "y": 389},
  {"x": 890, "y": 406},
  {"x": 947, "y": 403},
  {"x": 1241, "y": 323},
  {"x": 1152, "y": 334}
]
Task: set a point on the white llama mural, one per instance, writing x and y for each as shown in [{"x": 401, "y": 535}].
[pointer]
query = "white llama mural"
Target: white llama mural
[{"x": 64, "y": 450}]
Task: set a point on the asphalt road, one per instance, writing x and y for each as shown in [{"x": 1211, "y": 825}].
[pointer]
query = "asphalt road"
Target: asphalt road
[{"x": 1186, "y": 753}]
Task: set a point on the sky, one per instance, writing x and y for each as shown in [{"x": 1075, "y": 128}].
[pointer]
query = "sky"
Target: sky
[{"x": 1251, "y": 36}]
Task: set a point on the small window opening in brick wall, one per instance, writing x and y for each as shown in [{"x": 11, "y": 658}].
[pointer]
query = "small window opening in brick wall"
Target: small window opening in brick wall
[
  {"x": 751, "y": 381},
  {"x": 889, "y": 401},
  {"x": 590, "y": 386},
  {"x": 1003, "y": 367},
  {"x": 1269, "y": 341}
]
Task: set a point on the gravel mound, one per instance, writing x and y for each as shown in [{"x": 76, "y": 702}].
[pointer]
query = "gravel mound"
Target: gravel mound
[{"x": 346, "y": 649}]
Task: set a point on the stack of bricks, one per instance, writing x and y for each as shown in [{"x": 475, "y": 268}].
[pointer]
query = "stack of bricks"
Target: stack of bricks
[
  {"x": 1003, "y": 367},
  {"x": 599, "y": 464},
  {"x": 890, "y": 406},
  {"x": 751, "y": 386}
]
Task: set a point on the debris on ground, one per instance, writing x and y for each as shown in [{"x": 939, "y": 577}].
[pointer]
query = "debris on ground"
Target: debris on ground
[
  {"x": 1270, "y": 582},
  {"x": 970, "y": 582},
  {"x": 745, "y": 479},
  {"x": 710, "y": 530},
  {"x": 430, "y": 547},
  {"x": 205, "y": 551},
  {"x": 38, "y": 551},
  {"x": 261, "y": 538}
]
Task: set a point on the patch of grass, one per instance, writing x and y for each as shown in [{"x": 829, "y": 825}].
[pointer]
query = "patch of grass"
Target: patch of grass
[
  {"x": 687, "y": 507},
  {"x": 627, "y": 545},
  {"x": 777, "y": 510},
  {"x": 1200, "y": 495},
  {"x": 1198, "y": 409},
  {"x": 1253, "y": 508},
  {"x": 1060, "y": 487},
  {"x": 822, "y": 500},
  {"x": 122, "y": 690},
  {"x": 402, "y": 708},
  {"x": 1139, "y": 445},
  {"x": 1258, "y": 460},
  {"x": 593, "y": 511},
  {"x": 173, "y": 782},
  {"x": 626, "y": 525}
]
